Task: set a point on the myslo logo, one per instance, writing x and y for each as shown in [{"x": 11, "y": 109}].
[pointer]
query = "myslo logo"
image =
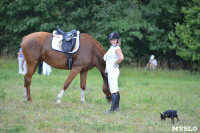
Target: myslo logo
[{"x": 184, "y": 128}]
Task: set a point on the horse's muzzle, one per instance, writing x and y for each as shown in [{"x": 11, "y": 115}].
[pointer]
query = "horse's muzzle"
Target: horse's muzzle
[{"x": 109, "y": 98}]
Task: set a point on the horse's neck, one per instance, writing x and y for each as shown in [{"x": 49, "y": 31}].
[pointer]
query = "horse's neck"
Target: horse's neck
[
  {"x": 101, "y": 65},
  {"x": 103, "y": 74},
  {"x": 100, "y": 61}
]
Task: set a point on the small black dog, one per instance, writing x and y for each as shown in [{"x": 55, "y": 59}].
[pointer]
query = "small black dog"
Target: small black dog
[{"x": 169, "y": 114}]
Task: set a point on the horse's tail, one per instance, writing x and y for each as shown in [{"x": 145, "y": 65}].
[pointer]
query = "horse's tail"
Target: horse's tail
[{"x": 22, "y": 40}]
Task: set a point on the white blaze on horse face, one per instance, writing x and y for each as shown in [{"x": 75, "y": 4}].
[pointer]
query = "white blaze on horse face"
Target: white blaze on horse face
[
  {"x": 60, "y": 96},
  {"x": 25, "y": 93},
  {"x": 82, "y": 96}
]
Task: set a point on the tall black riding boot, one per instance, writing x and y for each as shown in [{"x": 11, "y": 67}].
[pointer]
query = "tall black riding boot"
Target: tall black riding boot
[
  {"x": 117, "y": 104},
  {"x": 114, "y": 102}
]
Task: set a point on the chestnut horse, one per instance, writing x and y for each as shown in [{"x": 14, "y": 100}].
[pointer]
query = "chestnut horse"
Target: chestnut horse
[{"x": 36, "y": 48}]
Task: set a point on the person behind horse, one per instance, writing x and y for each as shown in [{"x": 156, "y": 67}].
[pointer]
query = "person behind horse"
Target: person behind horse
[
  {"x": 22, "y": 62},
  {"x": 113, "y": 57},
  {"x": 40, "y": 68},
  {"x": 46, "y": 69},
  {"x": 152, "y": 64}
]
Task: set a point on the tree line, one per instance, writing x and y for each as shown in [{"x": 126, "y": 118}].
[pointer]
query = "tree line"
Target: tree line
[{"x": 165, "y": 28}]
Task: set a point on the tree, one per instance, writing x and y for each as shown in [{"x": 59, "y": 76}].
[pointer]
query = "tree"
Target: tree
[
  {"x": 21, "y": 17},
  {"x": 143, "y": 25},
  {"x": 158, "y": 21},
  {"x": 186, "y": 38}
]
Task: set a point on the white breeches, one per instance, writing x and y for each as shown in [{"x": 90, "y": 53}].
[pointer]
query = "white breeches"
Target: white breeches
[
  {"x": 22, "y": 66},
  {"x": 46, "y": 69},
  {"x": 113, "y": 75}
]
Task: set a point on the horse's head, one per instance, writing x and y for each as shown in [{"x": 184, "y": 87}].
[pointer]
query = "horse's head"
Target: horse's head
[
  {"x": 109, "y": 98},
  {"x": 99, "y": 52}
]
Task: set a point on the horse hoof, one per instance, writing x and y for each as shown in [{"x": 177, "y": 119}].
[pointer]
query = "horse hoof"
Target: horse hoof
[
  {"x": 25, "y": 96},
  {"x": 58, "y": 101},
  {"x": 30, "y": 100}
]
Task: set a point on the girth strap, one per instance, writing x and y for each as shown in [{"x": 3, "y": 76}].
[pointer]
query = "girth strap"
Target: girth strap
[{"x": 70, "y": 61}]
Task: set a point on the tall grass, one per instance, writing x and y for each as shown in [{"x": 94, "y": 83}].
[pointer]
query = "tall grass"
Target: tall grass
[{"x": 144, "y": 94}]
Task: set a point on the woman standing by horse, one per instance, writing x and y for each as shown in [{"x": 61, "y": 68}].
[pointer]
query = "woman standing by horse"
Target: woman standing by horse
[
  {"x": 113, "y": 57},
  {"x": 37, "y": 48}
]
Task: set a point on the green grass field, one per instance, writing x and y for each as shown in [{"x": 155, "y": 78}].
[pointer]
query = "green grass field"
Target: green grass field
[{"x": 144, "y": 94}]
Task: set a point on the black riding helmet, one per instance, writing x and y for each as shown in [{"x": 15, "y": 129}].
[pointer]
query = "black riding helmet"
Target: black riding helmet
[{"x": 114, "y": 35}]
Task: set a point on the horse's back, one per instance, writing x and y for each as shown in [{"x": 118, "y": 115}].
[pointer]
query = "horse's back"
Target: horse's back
[
  {"x": 34, "y": 37},
  {"x": 37, "y": 46}
]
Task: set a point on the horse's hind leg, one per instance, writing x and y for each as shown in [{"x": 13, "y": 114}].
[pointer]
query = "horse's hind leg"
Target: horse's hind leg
[
  {"x": 31, "y": 68},
  {"x": 70, "y": 77},
  {"x": 83, "y": 76}
]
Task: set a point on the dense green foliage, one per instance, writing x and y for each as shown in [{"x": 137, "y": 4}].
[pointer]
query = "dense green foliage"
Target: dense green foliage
[
  {"x": 186, "y": 39},
  {"x": 144, "y": 25}
]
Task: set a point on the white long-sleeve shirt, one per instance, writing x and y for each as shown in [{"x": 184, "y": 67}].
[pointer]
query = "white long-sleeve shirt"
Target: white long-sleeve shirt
[
  {"x": 111, "y": 57},
  {"x": 113, "y": 71}
]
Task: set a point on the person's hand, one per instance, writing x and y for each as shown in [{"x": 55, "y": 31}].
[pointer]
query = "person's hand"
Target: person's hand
[{"x": 116, "y": 65}]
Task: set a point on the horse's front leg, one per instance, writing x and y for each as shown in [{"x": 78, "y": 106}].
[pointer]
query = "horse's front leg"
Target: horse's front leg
[
  {"x": 70, "y": 77},
  {"x": 83, "y": 76}
]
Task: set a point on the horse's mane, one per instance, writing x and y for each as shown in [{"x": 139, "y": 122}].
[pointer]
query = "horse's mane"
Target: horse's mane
[
  {"x": 98, "y": 44},
  {"x": 99, "y": 51}
]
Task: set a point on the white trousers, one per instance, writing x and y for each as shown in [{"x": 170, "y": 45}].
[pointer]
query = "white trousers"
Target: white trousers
[
  {"x": 46, "y": 69},
  {"x": 22, "y": 65},
  {"x": 113, "y": 74}
]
